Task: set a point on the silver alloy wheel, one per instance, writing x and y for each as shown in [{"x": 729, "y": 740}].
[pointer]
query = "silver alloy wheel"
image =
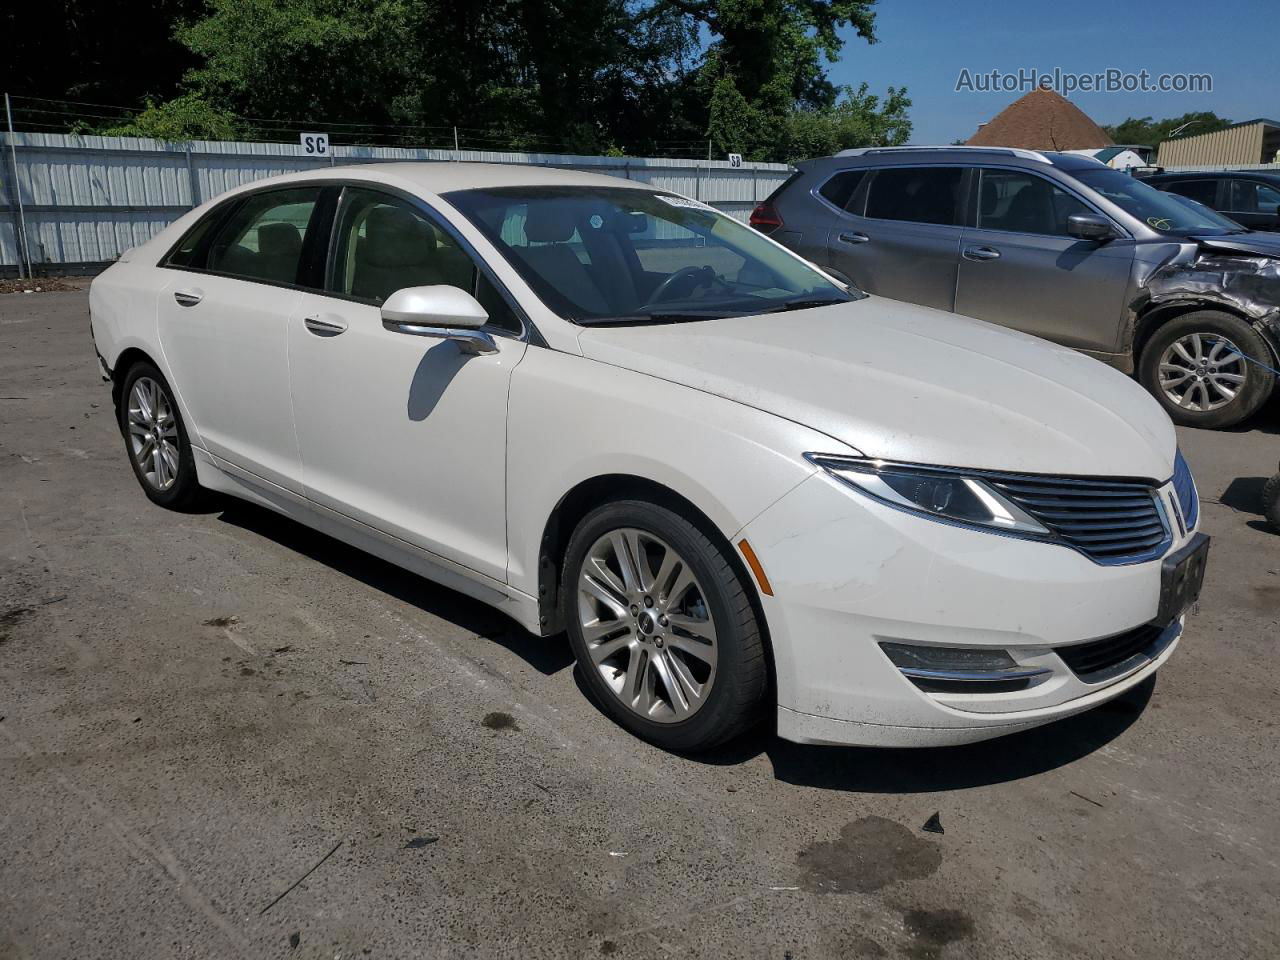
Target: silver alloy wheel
[
  {"x": 153, "y": 433},
  {"x": 647, "y": 625},
  {"x": 1202, "y": 372}
]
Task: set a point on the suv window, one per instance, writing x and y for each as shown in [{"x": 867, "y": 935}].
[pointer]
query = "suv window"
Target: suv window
[
  {"x": 839, "y": 190},
  {"x": 262, "y": 238},
  {"x": 1024, "y": 203},
  {"x": 384, "y": 244},
  {"x": 1252, "y": 196},
  {"x": 916, "y": 194},
  {"x": 1202, "y": 191}
]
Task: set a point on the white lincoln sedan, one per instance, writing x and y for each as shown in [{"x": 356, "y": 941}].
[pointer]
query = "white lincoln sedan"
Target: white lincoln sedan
[{"x": 739, "y": 486}]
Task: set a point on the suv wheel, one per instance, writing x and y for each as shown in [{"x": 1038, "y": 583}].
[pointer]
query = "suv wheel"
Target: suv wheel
[
  {"x": 662, "y": 627},
  {"x": 1204, "y": 368},
  {"x": 1271, "y": 502},
  {"x": 156, "y": 439}
]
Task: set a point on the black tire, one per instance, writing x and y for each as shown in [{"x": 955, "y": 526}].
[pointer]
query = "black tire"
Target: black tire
[
  {"x": 735, "y": 701},
  {"x": 185, "y": 492},
  {"x": 1271, "y": 502},
  {"x": 1215, "y": 324}
]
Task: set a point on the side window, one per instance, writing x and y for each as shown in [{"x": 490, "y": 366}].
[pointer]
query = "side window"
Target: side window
[
  {"x": 917, "y": 194},
  {"x": 839, "y": 190},
  {"x": 1252, "y": 196},
  {"x": 1024, "y": 203},
  {"x": 1202, "y": 191},
  {"x": 262, "y": 239},
  {"x": 189, "y": 251},
  {"x": 383, "y": 244}
]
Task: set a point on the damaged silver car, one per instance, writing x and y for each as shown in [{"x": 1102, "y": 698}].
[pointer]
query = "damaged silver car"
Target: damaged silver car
[{"x": 1057, "y": 245}]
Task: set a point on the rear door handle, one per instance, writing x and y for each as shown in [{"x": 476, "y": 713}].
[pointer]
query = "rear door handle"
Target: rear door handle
[
  {"x": 856, "y": 237},
  {"x": 981, "y": 253},
  {"x": 188, "y": 298},
  {"x": 325, "y": 325}
]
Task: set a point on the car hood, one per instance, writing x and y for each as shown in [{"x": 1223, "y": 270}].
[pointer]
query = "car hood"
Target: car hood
[
  {"x": 1255, "y": 243},
  {"x": 909, "y": 383}
]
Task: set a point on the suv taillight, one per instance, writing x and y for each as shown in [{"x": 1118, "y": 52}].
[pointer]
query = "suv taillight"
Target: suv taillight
[{"x": 765, "y": 217}]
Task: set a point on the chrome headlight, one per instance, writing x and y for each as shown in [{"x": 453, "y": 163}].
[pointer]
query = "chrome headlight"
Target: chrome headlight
[{"x": 937, "y": 492}]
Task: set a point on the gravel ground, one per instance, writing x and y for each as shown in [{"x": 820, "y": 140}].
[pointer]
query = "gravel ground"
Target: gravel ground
[{"x": 222, "y": 736}]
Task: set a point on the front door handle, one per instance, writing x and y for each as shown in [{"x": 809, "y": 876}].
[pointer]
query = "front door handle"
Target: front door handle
[
  {"x": 981, "y": 253},
  {"x": 855, "y": 237},
  {"x": 325, "y": 325},
  {"x": 188, "y": 298}
]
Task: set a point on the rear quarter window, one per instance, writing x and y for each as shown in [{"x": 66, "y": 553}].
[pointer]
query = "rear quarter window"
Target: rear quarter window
[{"x": 916, "y": 195}]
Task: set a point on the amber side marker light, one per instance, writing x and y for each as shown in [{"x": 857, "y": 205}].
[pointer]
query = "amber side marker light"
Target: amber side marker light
[{"x": 754, "y": 563}]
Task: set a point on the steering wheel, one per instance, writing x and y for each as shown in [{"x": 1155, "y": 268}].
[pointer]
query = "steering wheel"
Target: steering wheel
[{"x": 700, "y": 276}]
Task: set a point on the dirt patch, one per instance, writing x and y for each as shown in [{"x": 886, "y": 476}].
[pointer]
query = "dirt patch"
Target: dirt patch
[
  {"x": 934, "y": 929},
  {"x": 499, "y": 721},
  {"x": 871, "y": 853},
  {"x": 10, "y": 618},
  {"x": 38, "y": 285}
]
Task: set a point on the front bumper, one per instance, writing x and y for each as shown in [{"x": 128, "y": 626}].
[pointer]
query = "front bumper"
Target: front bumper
[{"x": 849, "y": 573}]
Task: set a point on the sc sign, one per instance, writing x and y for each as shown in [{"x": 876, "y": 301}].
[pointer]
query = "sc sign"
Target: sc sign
[{"x": 315, "y": 144}]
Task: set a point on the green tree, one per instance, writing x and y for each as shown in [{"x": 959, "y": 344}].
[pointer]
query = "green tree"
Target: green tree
[
  {"x": 187, "y": 117},
  {"x": 1144, "y": 130}
]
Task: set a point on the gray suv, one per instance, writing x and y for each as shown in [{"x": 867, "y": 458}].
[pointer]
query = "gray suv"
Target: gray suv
[{"x": 1057, "y": 245}]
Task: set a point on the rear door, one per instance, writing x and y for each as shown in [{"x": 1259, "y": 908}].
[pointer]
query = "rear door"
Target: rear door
[
  {"x": 223, "y": 323},
  {"x": 1020, "y": 268},
  {"x": 899, "y": 234},
  {"x": 1253, "y": 203}
]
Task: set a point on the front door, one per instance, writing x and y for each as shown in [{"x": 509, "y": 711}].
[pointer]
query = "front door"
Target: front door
[
  {"x": 405, "y": 434},
  {"x": 223, "y": 326},
  {"x": 1020, "y": 268}
]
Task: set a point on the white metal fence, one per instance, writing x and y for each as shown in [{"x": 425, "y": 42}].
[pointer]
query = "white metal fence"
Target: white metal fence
[{"x": 76, "y": 202}]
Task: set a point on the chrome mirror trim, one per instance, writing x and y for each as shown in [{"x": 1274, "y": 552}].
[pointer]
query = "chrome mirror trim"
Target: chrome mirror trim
[{"x": 469, "y": 341}]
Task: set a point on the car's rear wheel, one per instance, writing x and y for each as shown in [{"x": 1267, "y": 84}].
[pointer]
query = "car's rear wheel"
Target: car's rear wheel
[
  {"x": 663, "y": 627},
  {"x": 156, "y": 439},
  {"x": 1208, "y": 369}
]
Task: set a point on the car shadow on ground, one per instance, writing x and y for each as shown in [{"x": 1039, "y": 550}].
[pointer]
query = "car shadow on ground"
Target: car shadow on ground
[
  {"x": 547, "y": 656},
  {"x": 1244, "y": 494},
  {"x": 858, "y": 769},
  {"x": 938, "y": 769}
]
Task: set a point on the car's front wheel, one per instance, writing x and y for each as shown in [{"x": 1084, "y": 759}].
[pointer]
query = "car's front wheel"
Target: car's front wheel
[
  {"x": 156, "y": 439},
  {"x": 1208, "y": 369},
  {"x": 663, "y": 627}
]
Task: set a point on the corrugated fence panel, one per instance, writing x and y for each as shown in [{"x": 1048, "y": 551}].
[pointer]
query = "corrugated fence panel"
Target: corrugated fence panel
[{"x": 86, "y": 199}]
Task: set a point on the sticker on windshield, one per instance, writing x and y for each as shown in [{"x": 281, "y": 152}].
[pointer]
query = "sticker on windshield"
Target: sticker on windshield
[
  {"x": 596, "y": 221},
  {"x": 683, "y": 202}
]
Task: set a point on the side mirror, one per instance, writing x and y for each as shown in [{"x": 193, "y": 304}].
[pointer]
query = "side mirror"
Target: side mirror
[
  {"x": 442, "y": 312},
  {"x": 1090, "y": 226}
]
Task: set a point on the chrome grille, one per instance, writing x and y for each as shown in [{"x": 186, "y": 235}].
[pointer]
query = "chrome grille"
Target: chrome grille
[{"x": 1110, "y": 521}]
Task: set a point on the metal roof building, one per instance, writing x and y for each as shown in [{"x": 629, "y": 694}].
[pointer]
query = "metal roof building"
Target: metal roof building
[{"x": 1241, "y": 144}]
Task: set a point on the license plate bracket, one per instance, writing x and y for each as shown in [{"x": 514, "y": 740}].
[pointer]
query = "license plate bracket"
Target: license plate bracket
[{"x": 1181, "y": 578}]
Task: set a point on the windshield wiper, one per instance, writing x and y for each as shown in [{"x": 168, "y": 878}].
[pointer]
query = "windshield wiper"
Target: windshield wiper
[{"x": 808, "y": 303}]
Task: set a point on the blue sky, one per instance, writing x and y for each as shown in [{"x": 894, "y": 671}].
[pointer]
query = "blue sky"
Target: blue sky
[{"x": 924, "y": 44}]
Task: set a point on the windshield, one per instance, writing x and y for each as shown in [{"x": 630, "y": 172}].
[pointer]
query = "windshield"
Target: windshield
[
  {"x": 600, "y": 255},
  {"x": 1164, "y": 212}
]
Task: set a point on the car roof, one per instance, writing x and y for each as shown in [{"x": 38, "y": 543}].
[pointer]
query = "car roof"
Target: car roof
[
  {"x": 443, "y": 176},
  {"x": 1216, "y": 175},
  {"x": 890, "y": 156}
]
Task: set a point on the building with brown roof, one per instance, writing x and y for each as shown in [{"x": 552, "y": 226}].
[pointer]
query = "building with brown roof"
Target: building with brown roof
[{"x": 1041, "y": 120}]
